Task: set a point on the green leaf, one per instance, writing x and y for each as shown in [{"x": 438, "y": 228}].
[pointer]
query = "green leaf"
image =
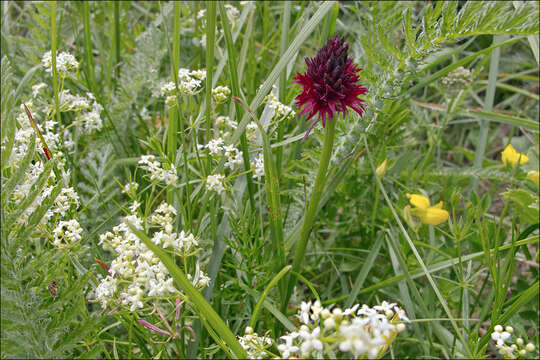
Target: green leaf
[{"x": 524, "y": 201}]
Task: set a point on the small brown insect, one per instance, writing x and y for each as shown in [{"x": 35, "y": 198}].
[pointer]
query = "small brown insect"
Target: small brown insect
[{"x": 53, "y": 289}]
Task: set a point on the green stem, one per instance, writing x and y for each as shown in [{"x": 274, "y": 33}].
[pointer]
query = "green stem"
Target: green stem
[
  {"x": 88, "y": 46},
  {"x": 235, "y": 87},
  {"x": 172, "y": 129},
  {"x": 210, "y": 33},
  {"x": 267, "y": 289},
  {"x": 53, "y": 57},
  {"x": 286, "y": 16},
  {"x": 311, "y": 211},
  {"x": 116, "y": 46}
]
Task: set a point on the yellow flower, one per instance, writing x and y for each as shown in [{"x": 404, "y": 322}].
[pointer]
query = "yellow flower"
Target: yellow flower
[
  {"x": 534, "y": 176},
  {"x": 512, "y": 157},
  {"x": 431, "y": 215}
]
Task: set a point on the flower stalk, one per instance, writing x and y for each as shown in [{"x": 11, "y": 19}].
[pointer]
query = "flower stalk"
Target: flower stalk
[{"x": 311, "y": 211}]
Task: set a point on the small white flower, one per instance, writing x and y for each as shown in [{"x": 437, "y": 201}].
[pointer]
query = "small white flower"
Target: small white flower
[
  {"x": 279, "y": 108},
  {"x": 316, "y": 309},
  {"x": 303, "y": 314},
  {"x": 221, "y": 94},
  {"x": 500, "y": 337},
  {"x": 288, "y": 348},
  {"x": 311, "y": 340},
  {"x": 401, "y": 314},
  {"x": 198, "y": 74},
  {"x": 215, "y": 146},
  {"x": 133, "y": 207},
  {"x": 66, "y": 233},
  {"x": 215, "y": 183},
  {"x": 251, "y": 131},
  {"x": 204, "y": 280},
  {"x": 65, "y": 63},
  {"x": 36, "y": 89},
  {"x": 168, "y": 88},
  {"x": 130, "y": 188}
]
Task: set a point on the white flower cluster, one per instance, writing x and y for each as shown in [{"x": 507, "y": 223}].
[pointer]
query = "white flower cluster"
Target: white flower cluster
[
  {"x": 66, "y": 201},
  {"x": 67, "y": 233},
  {"x": 136, "y": 274},
  {"x": 279, "y": 108},
  {"x": 130, "y": 188},
  {"x": 217, "y": 148},
  {"x": 252, "y": 131},
  {"x": 163, "y": 217},
  {"x": 189, "y": 83},
  {"x": 135, "y": 265},
  {"x": 258, "y": 166},
  {"x": 358, "y": 330},
  {"x": 233, "y": 156},
  {"x": 221, "y": 94},
  {"x": 510, "y": 351},
  {"x": 215, "y": 183},
  {"x": 91, "y": 120},
  {"x": 254, "y": 344},
  {"x": 69, "y": 102},
  {"x": 157, "y": 173},
  {"x": 65, "y": 63},
  {"x": 225, "y": 125},
  {"x": 232, "y": 12},
  {"x": 36, "y": 89}
]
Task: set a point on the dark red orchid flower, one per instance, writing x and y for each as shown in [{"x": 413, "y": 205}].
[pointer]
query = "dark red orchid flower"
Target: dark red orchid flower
[{"x": 330, "y": 84}]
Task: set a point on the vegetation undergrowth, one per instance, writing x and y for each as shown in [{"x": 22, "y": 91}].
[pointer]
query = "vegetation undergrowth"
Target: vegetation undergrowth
[{"x": 177, "y": 182}]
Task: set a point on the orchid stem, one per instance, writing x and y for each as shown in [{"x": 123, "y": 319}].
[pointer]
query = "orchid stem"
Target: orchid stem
[{"x": 311, "y": 211}]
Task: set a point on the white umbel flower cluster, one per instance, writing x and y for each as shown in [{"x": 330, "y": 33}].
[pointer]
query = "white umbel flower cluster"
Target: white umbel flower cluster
[
  {"x": 360, "y": 330},
  {"x": 67, "y": 233},
  {"x": 136, "y": 274},
  {"x": 70, "y": 102},
  {"x": 215, "y": 183},
  {"x": 189, "y": 83},
  {"x": 217, "y": 149},
  {"x": 91, "y": 120},
  {"x": 256, "y": 346},
  {"x": 279, "y": 108},
  {"x": 157, "y": 173},
  {"x": 66, "y": 63},
  {"x": 508, "y": 350},
  {"x": 252, "y": 131},
  {"x": 258, "y": 166},
  {"x": 66, "y": 201},
  {"x": 225, "y": 126},
  {"x": 221, "y": 94},
  {"x": 180, "y": 242}
]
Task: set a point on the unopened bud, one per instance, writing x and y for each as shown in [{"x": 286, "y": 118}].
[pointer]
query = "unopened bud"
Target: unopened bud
[{"x": 381, "y": 170}]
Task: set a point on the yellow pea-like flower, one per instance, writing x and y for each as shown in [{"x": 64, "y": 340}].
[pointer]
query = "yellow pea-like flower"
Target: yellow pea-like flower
[
  {"x": 431, "y": 215},
  {"x": 512, "y": 157},
  {"x": 534, "y": 176}
]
